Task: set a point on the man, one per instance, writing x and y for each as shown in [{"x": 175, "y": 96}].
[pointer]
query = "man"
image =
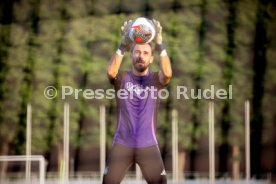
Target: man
[{"x": 135, "y": 140}]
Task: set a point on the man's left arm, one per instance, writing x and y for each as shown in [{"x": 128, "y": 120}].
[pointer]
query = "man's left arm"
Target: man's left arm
[{"x": 165, "y": 72}]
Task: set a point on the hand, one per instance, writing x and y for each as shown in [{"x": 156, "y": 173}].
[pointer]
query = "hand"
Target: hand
[
  {"x": 158, "y": 29},
  {"x": 125, "y": 40}
]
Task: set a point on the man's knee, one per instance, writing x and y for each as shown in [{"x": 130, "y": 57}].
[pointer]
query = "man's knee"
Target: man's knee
[
  {"x": 159, "y": 180},
  {"x": 110, "y": 180}
]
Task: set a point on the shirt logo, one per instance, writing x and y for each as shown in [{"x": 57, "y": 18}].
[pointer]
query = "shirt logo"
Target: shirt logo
[{"x": 138, "y": 89}]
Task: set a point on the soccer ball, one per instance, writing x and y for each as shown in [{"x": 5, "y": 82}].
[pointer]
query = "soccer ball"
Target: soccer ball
[{"x": 142, "y": 30}]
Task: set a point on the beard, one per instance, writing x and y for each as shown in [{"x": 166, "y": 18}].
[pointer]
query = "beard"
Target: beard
[{"x": 140, "y": 65}]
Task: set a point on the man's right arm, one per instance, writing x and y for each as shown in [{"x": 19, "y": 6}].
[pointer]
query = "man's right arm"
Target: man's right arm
[
  {"x": 116, "y": 60},
  {"x": 113, "y": 66}
]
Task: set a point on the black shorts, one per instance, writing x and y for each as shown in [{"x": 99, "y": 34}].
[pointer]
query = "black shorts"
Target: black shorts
[{"x": 121, "y": 158}]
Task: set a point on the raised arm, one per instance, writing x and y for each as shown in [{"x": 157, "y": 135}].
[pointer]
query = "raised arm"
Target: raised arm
[
  {"x": 116, "y": 60},
  {"x": 165, "y": 72},
  {"x": 113, "y": 66}
]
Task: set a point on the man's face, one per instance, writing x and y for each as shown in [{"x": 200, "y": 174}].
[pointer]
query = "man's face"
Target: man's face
[{"x": 141, "y": 56}]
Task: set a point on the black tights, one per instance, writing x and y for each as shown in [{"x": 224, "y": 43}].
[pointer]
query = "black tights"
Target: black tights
[{"x": 121, "y": 158}]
